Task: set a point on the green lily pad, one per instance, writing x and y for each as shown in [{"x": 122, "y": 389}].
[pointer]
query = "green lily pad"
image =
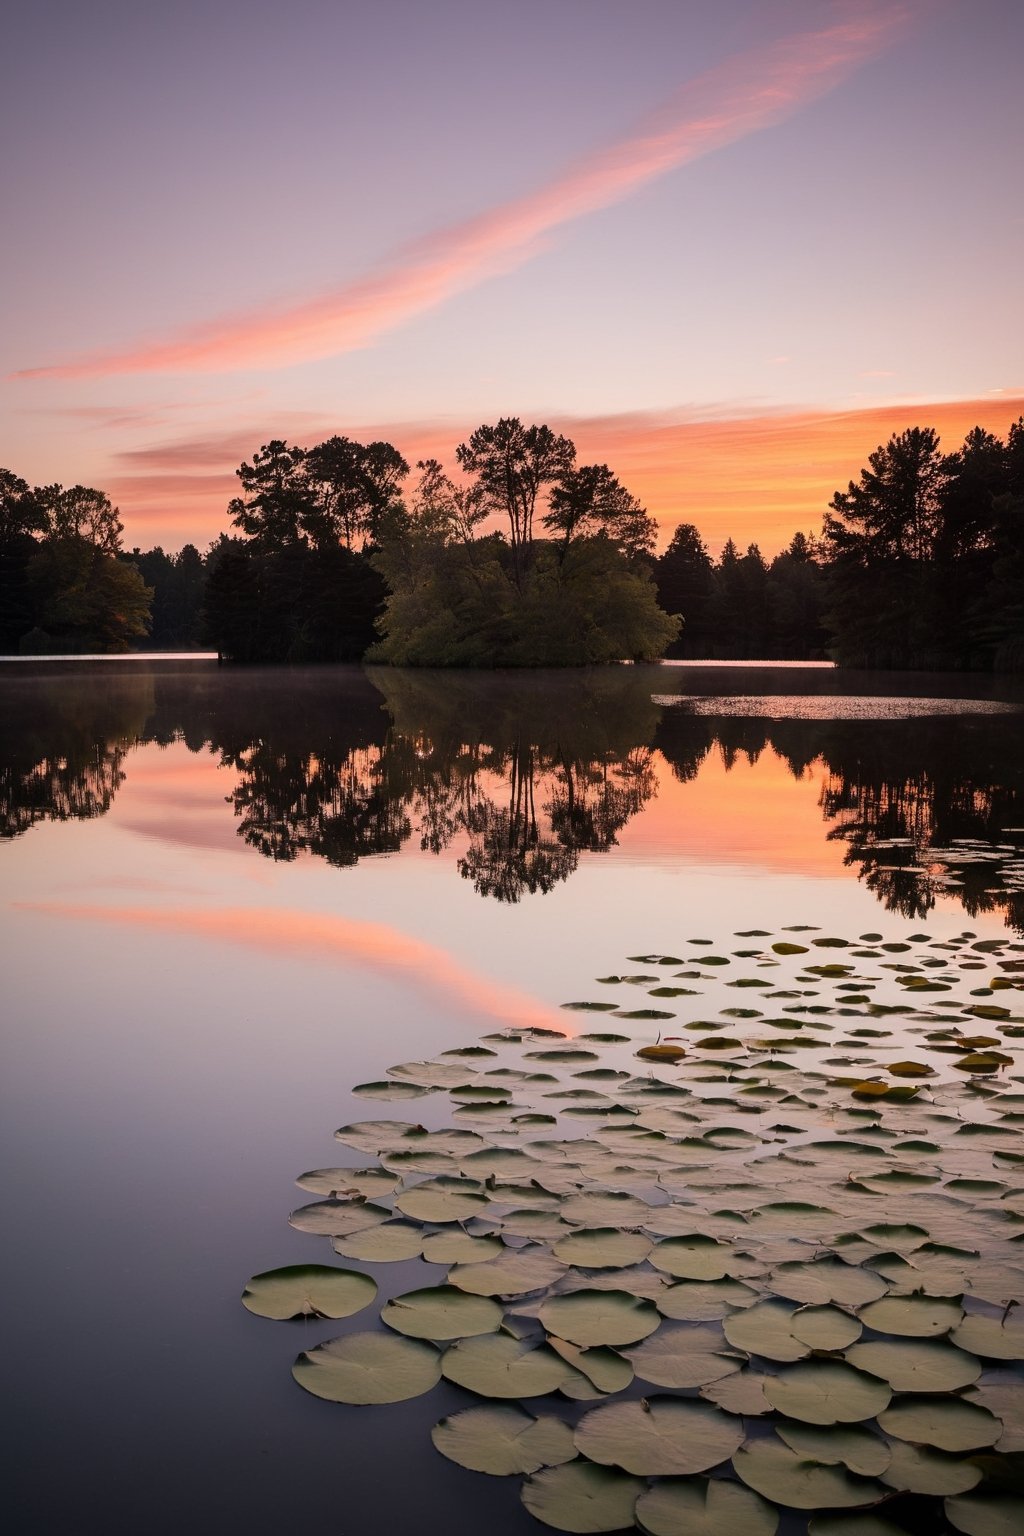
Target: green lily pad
[
  {"x": 388, "y": 1243},
  {"x": 827, "y": 1392},
  {"x": 604, "y": 1208},
  {"x": 822, "y": 1280},
  {"x": 917, "y": 1469},
  {"x": 441, "y": 1312},
  {"x": 605, "y": 1369},
  {"x": 308, "y": 1290},
  {"x": 849, "y": 1445},
  {"x": 682, "y": 1357},
  {"x": 513, "y": 1274},
  {"x": 741, "y": 1394},
  {"x": 591, "y": 1317},
  {"x": 602, "y": 1248},
  {"x": 987, "y": 1514},
  {"x": 659, "y": 1436},
  {"x": 764, "y": 1329},
  {"x": 388, "y": 1089},
  {"x": 916, "y": 1365},
  {"x": 337, "y": 1218},
  {"x": 442, "y": 1199},
  {"x": 348, "y": 1183},
  {"x": 788, "y": 1478},
  {"x": 497, "y": 1365},
  {"x": 369, "y": 1368},
  {"x": 824, "y": 1327},
  {"x": 993, "y": 1337},
  {"x": 704, "y": 1507},
  {"x": 458, "y": 1247},
  {"x": 701, "y": 1300},
  {"x": 949, "y": 1423},
  {"x": 582, "y": 1497},
  {"x": 694, "y": 1257},
  {"x": 916, "y": 1316},
  {"x": 502, "y": 1439}
]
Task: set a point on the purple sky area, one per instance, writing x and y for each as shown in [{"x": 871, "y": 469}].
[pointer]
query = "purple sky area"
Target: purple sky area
[{"x": 226, "y": 221}]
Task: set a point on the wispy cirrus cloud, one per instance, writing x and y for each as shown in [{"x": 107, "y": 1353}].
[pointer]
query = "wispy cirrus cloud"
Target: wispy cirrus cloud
[{"x": 746, "y": 93}]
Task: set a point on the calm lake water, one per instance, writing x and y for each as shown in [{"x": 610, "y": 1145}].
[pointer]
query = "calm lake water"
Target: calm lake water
[{"x": 230, "y": 897}]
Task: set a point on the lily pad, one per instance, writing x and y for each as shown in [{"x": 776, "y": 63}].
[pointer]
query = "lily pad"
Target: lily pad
[
  {"x": 441, "y": 1312},
  {"x": 786, "y": 1477},
  {"x": 497, "y": 1365},
  {"x": 824, "y": 1327},
  {"x": 987, "y": 1514},
  {"x": 308, "y": 1290},
  {"x": 694, "y": 1257},
  {"x": 949, "y": 1423},
  {"x": 441, "y": 1200},
  {"x": 388, "y": 1243},
  {"x": 704, "y": 1507},
  {"x": 916, "y": 1316},
  {"x": 599, "y": 1317},
  {"x": 764, "y": 1329},
  {"x": 993, "y": 1337},
  {"x": 849, "y": 1445},
  {"x": 682, "y": 1357},
  {"x": 513, "y": 1274},
  {"x": 659, "y": 1436},
  {"x": 502, "y": 1439},
  {"x": 602, "y": 1248},
  {"x": 369, "y": 1368},
  {"x": 918, "y": 1469},
  {"x": 827, "y": 1392},
  {"x": 916, "y": 1365},
  {"x": 582, "y": 1497}
]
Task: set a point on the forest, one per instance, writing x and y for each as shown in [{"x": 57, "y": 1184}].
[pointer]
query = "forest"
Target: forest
[{"x": 523, "y": 557}]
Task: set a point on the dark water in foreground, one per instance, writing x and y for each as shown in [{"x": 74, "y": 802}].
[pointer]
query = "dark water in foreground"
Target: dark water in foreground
[{"x": 230, "y": 897}]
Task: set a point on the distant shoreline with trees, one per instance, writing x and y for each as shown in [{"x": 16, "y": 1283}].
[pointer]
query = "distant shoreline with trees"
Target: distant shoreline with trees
[{"x": 527, "y": 559}]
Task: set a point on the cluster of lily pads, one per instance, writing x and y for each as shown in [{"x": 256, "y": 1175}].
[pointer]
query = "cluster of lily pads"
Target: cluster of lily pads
[{"x": 762, "y": 1261}]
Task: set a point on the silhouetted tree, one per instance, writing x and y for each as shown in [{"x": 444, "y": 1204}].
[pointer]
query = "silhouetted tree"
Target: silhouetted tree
[
  {"x": 685, "y": 580},
  {"x": 591, "y": 500},
  {"x": 512, "y": 464}
]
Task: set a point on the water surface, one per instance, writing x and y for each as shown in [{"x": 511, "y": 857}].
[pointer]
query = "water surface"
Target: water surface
[{"x": 231, "y": 896}]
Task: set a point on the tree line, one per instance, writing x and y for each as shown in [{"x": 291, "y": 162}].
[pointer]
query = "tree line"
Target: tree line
[{"x": 528, "y": 558}]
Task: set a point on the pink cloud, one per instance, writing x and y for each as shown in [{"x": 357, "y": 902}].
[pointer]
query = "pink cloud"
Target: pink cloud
[
  {"x": 748, "y": 92},
  {"x": 278, "y": 930}
]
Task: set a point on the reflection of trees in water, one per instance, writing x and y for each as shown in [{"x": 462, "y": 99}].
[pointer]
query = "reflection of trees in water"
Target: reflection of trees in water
[
  {"x": 531, "y": 771},
  {"x": 308, "y": 804},
  {"x": 514, "y": 847},
  {"x": 928, "y": 806},
  {"x": 64, "y": 748},
  {"x": 516, "y": 774}
]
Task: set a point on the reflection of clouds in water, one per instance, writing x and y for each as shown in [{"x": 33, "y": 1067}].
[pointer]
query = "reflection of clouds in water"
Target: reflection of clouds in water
[
  {"x": 829, "y": 706},
  {"x": 278, "y": 930}
]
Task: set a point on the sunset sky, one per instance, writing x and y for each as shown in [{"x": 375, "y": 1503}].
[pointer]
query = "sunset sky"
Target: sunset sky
[{"x": 728, "y": 247}]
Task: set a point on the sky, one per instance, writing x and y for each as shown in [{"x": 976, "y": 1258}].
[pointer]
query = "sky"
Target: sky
[{"x": 728, "y": 246}]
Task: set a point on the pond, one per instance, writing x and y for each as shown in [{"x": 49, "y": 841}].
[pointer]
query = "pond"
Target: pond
[{"x": 232, "y": 898}]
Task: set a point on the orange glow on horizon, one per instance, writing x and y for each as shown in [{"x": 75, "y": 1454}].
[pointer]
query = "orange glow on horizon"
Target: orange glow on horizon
[{"x": 754, "y": 478}]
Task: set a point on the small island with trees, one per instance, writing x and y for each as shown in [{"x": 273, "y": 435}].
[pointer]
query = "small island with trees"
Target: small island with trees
[{"x": 524, "y": 558}]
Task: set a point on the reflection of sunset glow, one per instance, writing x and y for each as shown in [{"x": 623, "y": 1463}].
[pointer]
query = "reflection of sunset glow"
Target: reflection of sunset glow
[
  {"x": 753, "y": 814},
  {"x": 745, "y": 94},
  {"x": 296, "y": 935}
]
